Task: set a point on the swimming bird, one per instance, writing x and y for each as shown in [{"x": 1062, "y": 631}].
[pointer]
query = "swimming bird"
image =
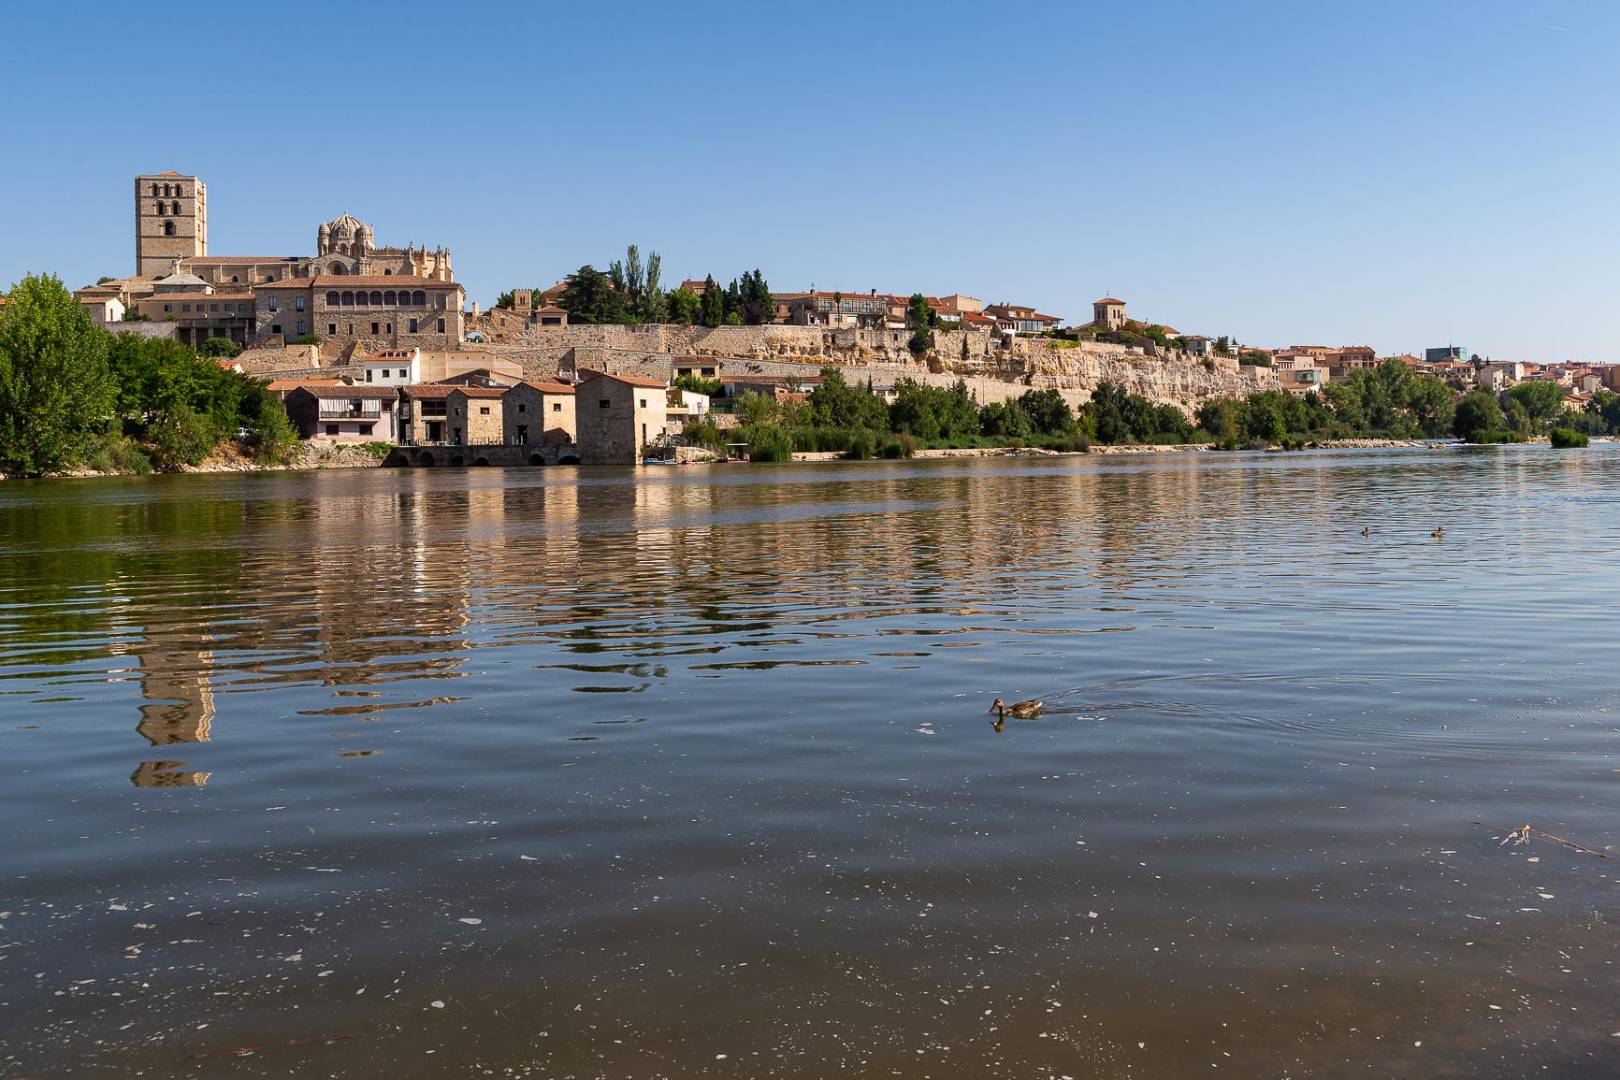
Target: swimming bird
[
  {"x": 1366, "y": 531},
  {"x": 1438, "y": 533},
  {"x": 1018, "y": 710}
]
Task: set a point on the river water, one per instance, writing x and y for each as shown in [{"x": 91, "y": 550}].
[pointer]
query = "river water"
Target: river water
[{"x": 581, "y": 773}]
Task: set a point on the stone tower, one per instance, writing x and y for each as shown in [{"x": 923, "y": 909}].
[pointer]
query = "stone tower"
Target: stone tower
[{"x": 171, "y": 221}]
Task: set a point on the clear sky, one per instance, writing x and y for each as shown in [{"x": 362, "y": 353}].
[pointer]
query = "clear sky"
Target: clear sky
[{"x": 1399, "y": 174}]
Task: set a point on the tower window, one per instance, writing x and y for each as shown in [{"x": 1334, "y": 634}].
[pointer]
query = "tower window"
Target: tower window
[
  {"x": 174, "y": 208},
  {"x": 168, "y": 228},
  {"x": 154, "y": 191},
  {"x": 160, "y": 208}
]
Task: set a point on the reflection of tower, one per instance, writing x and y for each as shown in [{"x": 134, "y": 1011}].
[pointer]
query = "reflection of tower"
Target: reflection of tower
[
  {"x": 176, "y": 683},
  {"x": 167, "y": 774}
]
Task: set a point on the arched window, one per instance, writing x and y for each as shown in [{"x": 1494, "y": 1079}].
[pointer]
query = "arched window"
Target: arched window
[
  {"x": 336, "y": 268},
  {"x": 154, "y": 191},
  {"x": 388, "y": 298},
  {"x": 332, "y": 299},
  {"x": 168, "y": 228},
  {"x": 388, "y": 273},
  {"x": 160, "y": 208},
  {"x": 174, "y": 208},
  {"x": 348, "y": 299},
  {"x": 418, "y": 299},
  {"x": 376, "y": 299},
  {"x": 165, "y": 191},
  {"x": 234, "y": 279}
]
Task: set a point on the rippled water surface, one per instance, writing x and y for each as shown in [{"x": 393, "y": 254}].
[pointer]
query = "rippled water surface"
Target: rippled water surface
[{"x": 584, "y": 773}]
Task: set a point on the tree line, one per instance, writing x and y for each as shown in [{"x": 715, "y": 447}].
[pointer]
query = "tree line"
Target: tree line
[
  {"x": 631, "y": 293},
  {"x": 73, "y": 395}
]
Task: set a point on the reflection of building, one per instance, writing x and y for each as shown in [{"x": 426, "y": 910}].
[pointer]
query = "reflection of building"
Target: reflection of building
[
  {"x": 167, "y": 774},
  {"x": 177, "y": 686}
]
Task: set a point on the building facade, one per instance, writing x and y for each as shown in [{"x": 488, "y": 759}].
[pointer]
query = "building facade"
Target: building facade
[
  {"x": 171, "y": 221},
  {"x": 340, "y": 413},
  {"x": 618, "y": 416},
  {"x": 538, "y": 412}
]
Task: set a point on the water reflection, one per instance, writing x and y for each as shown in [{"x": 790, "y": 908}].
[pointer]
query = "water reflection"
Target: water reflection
[{"x": 701, "y": 753}]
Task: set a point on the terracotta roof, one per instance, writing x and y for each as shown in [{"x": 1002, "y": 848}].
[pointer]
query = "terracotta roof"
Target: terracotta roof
[
  {"x": 480, "y": 391},
  {"x": 1108, "y": 300},
  {"x": 344, "y": 390},
  {"x": 283, "y": 385},
  {"x": 428, "y": 390},
  {"x": 286, "y": 283},
  {"x": 165, "y": 172},
  {"x": 628, "y": 380},
  {"x": 548, "y": 387}
]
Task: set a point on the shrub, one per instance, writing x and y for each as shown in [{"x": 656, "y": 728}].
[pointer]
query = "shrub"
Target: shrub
[
  {"x": 180, "y": 436},
  {"x": 1566, "y": 439},
  {"x": 306, "y": 339},
  {"x": 117, "y": 453},
  {"x": 768, "y": 443},
  {"x": 862, "y": 445},
  {"x": 218, "y": 346},
  {"x": 900, "y": 446},
  {"x": 1072, "y": 443}
]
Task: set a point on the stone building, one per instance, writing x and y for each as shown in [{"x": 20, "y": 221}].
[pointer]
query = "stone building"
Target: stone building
[
  {"x": 171, "y": 221},
  {"x": 473, "y": 415},
  {"x": 538, "y": 412},
  {"x": 1108, "y": 314},
  {"x": 378, "y": 312},
  {"x": 618, "y": 416}
]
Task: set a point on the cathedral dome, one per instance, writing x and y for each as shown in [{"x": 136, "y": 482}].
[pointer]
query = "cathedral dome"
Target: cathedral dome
[{"x": 345, "y": 225}]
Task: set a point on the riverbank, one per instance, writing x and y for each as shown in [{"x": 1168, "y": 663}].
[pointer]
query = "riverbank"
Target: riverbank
[{"x": 1135, "y": 448}]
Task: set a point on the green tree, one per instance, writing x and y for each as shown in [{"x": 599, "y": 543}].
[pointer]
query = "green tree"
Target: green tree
[
  {"x": 837, "y": 404},
  {"x": 219, "y": 346},
  {"x": 1223, "y": 346},
  {"x": 1005, "y": 420},
  {"x": 754, "y": 409},
  {"x": 590, "y": 296},
  {"x": 271, "y": 436},
  {"x": 180, "y": 436},
  {"x": 1542, "y": 399},
  {"x": 1477, "y": 415},
  {"x": 712, "y": 302},
  {"x": 1048, "y": 413},
  {"x": 1221, "y": 417},
  {"x": 685, "y": 307},
  {"x": 55, "y": 387}
]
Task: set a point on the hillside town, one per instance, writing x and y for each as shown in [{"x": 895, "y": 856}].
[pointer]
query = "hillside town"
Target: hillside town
[{"x": 368, "y": 343}]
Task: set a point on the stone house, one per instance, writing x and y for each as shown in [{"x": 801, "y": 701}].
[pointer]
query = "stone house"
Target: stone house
[
  {"x": 103, "y": 309},
  {"x": 538, "y": 412},
  {"x": 380, "y": 312},
  {"x": 340, "y": 413},
  {"x": 473, "y": 416},
  {"x": 1018, "y": 319},
  {"x": 423, "y": 417},
  {"x": 618, "y": 416}
]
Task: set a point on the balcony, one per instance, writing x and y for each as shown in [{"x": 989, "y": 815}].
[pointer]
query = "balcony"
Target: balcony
[{"x": 350, "y": 414}]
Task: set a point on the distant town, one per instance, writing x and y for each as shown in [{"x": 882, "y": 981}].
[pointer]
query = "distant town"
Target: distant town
[{"x": 370, "y": 344}]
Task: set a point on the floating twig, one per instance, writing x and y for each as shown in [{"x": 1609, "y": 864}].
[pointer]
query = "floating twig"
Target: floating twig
[{"x": 1524, "y": 833}]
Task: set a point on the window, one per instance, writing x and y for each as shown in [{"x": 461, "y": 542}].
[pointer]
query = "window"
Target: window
[
  {"x": 413, "y": 326},
  {"x": 272, "y": 303},
  {"x": 160, "y": 208},
  {"x": 419, "y": 299},
  {"x": 302, "y": 328},
  {"x": 175, "y": 208},
  {"x": 234, "y": 279},
  {"x": 331, "y": 429},
  {"x": 154, "y": 190},
  {"x": 211, "y": 307},
  {"x": 388, "y": 298},
  {"x": 275, "y": 328},
  {"x": 441, "y": 326},
  {"x": 298, "y": 303},
  {"x": 483, "y": 410},
  {"x": 348, "y": 299},
  {"x": 332, "y": 299},
  {"x": 556, "y": 406},
  {"x": 368, "y": 374},
  {"x": 168, "y": 228},
  {"x": 522, "y": 407},
  {"x": 604, "y": 404},
  {"x": 376, "y": 299},
  {"x": 374, "y": 329},
  {"x": 643, "y": 403},
  {"x": 168, "y": 308},
  {"x": 331, "y": 329},
  {"x": 187, "y": 307}
]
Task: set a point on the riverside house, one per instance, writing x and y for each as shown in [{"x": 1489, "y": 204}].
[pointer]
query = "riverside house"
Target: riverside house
[
  {"x": 339, "y": 413},
  {"x": 538, "y": 412},
  {"x": 619, "y": 416}
]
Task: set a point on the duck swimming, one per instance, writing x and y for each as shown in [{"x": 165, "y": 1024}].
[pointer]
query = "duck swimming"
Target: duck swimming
[
  {"x": 1438, "y": 533},
  {"x": 1018, "y": 710}
]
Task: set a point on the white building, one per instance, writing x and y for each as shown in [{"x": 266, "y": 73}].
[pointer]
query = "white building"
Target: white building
[{"x": 392, "y": 367}]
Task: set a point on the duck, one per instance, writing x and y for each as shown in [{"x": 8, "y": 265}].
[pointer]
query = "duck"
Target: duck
[
  {"x": 1366, "y": 530},
  {"x": 1439, "y": 532},
  {"x": 1018, "y": 710}
]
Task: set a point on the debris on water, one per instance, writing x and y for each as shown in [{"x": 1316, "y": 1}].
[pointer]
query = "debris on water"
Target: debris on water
[
  {"x": 440, "y": 1004},
  {"x": 471, "y": 921},
  {"x": 1523, "y": 834}
]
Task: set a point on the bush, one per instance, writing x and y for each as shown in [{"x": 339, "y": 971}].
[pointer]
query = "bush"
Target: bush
[
  {"x": 699, "y": 385},
  {"x": 768, "y": 443},
  {"x": 705, "y": 433},
  {"x": 1565, "y": 439},
  {"x": 218, "y": 346},
  {"x": 307, "y": 339},
  {"x": 180, "y": 436},
  {"x": 117, "y": 453},
  {"x": 862, "y": 445},
  {"x": 1072, "y": 443},
  {"x": 900, "y": 446}
]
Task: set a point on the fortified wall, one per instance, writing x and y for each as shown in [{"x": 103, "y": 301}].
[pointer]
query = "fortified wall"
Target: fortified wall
[{"x": 995, "y": 366}]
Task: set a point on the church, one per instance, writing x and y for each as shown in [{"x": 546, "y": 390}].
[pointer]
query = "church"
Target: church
[{"x": 410, "y": 296}]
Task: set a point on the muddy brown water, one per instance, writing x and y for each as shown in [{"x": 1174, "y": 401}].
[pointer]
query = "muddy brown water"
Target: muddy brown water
[{"x": 593, "y": 773}]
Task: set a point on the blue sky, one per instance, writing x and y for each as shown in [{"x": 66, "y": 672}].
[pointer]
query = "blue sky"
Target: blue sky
[{"x": 1395, "y": 174}]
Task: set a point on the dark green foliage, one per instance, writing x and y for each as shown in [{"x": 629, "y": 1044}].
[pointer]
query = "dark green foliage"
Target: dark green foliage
[
  {"x": 712, "y": 303},
  {"x": 270, "y": 434},
  {"x": 1565, "y": 439},
  {"x": 307, "y": 339},
  {"x": 862, "y": 445},
  {"x": 1113, "y": 416},
  {"x": 767, "y": 443},
  {"x": 699, "y": 385},
  {"x": 219, "y": 346},
  {"x": 837, "y": 404},
  {"x": 703, "y": 432},
  {"x": 931, "y": 413},
  {"x": 1477, "y": 415},
  {"x": 1542, "y": 399},
  {"x": 685, "y": 307},
  {"x": 112, "y": 452},
  {"x": 901, "y": 446},
  {"x": 750, "y": 299},
  {"x": 1005, "y": 420},
  {"x": 56, "y": 392},
  {"x": 179, "y": 435},
  {"x": 590, "y": 296}
]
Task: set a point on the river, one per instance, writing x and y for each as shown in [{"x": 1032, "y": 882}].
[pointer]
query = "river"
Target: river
[{"x": 689, "y": 772}]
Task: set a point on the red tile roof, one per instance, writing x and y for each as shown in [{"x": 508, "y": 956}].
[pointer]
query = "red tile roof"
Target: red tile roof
[
  {"x": 343, "y": 390},
  {"x": 1108, "y": 300},
  {"x": 480, "y": 391},
  {"x": 548, "y": 387},
  {"x": 428, "y": 391}
]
